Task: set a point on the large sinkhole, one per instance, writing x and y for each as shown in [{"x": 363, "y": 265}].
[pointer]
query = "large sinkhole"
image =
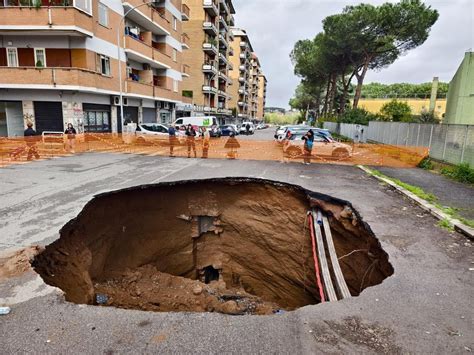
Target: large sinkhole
[{"x": 232, "y": 245}]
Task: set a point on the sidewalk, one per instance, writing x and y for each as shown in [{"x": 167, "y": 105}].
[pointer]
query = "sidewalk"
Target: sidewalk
[{"x": 449, "y": 193}]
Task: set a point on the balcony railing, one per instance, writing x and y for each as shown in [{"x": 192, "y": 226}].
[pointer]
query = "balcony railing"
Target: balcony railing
[
  {"x": 62, "y": 19},
  {"x": 211, "y": 6},
  {"x": 56, "y": 77},
  {"x": 209, "y": 28},
  {"x": 185, "y": 12}
]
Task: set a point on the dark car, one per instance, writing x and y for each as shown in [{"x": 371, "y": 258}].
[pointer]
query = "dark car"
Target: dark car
[
  {"x": 215, "y": 132},
  {"x": 226, "y": 130}
]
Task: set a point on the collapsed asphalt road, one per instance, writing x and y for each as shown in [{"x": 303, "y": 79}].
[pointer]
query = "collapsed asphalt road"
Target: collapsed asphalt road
[{"x": 424, "y": 307}]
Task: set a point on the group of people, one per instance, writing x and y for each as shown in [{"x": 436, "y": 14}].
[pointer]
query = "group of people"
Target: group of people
[
  {"x": 30, "y": 140},
  {"x": 203, "y": 134}
]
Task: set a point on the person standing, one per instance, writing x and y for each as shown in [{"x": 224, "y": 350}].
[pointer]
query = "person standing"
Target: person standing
[
  {"x": 206, "y": 137},
  {"x": 190, "y": 140},
  {"x": 247, "y": 129},
  {"x": 30, "y": 139},
  {"x": 172, "y": 139},
  {"x": 70, "y": 133},
  {"x": 232, "y": 144},
  {"x": 308, "y": 146}
]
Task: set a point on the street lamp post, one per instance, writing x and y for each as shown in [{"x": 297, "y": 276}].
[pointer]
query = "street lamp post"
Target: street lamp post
[{"x": 119, "y": 29}]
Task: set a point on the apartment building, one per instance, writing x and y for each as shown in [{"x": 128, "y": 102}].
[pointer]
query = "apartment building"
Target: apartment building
[
  {"x": 59, "y": 63},
  {"x": 262, "y": 96},
  {"x": 208, "y": 58},
  {"x": 240, "y": 93}
]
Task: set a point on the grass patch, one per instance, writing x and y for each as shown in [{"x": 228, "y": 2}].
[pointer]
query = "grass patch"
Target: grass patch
[
  {"x": 445, "y": 224},
  {"x": 429, "y": 197}
]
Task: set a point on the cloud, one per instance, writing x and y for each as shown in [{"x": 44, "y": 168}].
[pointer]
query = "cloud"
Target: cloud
[{"x": 274, "y": 26}]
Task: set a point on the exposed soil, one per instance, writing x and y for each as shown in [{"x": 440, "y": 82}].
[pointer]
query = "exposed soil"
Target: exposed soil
[
  {"x": 235, "y": 246},
  {"x": 18, "y": 262}
]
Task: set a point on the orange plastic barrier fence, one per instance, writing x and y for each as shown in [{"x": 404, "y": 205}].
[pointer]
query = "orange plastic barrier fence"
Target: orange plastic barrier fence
[{"x": 23, "y": 150}]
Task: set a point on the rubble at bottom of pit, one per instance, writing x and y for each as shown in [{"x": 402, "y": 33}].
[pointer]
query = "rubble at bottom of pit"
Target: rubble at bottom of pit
[{"x": 148, "y": 289}]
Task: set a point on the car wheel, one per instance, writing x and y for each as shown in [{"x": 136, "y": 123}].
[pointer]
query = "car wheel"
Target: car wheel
[
  {"x": 293, "y": 152},
  {"x": 340, "y": 153}
]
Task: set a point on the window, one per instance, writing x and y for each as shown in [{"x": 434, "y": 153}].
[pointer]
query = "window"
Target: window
[
  {"x": 175, "y": 23},
  {"x": 84, "y": 5},
  {"x": 40, "y": 57},
  {"x": 175, "y": 55},
  {"x": 175, "y": 85},
  {"x": 103, "y": 15},
  {"x": 103, "y": 64},
  {"x": 12, "y": 57}
]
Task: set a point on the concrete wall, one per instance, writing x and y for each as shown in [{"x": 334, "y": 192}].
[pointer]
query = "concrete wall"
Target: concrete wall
[
  {"x": 417, "y": 105},
  {"x": 460, "y": 106}
]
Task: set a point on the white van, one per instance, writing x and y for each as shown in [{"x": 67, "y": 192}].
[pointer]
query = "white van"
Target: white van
[{"x": 203, "y": 121}]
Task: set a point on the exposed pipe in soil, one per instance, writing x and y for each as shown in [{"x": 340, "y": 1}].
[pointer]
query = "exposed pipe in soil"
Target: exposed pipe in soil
[{"x": 315, "y": 259}]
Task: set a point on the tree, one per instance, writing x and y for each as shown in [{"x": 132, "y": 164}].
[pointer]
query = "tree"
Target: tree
[
  {"x": 374, "y": 37},
  {"x": 396, "y": 111}
]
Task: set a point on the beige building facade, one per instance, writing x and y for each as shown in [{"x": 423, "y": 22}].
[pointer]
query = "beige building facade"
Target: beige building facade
[
  {"x": 60, "y": 64},
  {"x": 249, "y": 93},
  {"x": 208, "y": 57}
]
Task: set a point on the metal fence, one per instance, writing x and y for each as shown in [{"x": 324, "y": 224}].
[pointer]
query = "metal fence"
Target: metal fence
[{"x": 451, "y": 143}]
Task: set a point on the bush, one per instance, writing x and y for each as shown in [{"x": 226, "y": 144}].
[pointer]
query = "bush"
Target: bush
[
  {"x": 396, "y": 111},
  {"x": 462, "y": 173},
  {"x": 357, "y": 116},
  {"x": 426, "y": 164}
]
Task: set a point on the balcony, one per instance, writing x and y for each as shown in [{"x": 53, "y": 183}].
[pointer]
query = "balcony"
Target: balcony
[
  {"x": 231, "y": 22},
  {"x": 209, "y": 48},
  {"x": 209, "y": 68},
  {"x": 210, "y": 28},
  {"x": 185, "y": 71},
  {"x": 185, "y": 12},
  {"x": 185, "y": 41},
  {"x": 61, "y": 20},
  {"x": 242, "y": 68},
  {"x": 211, "y": 7},
  {"x": 241, "y": 79},
  {"x": 207, "y": 89},
  {"x": 223, "y": 41},
  {"x": 222, "y": 59},
  {"x": 148, "y": 17},
  {"x": 224, "y": 8},
  {"x": 223, "y": 76},
  {"x": 242, "y": 56},
  {"x": 223, "y": 23},
  {"x": 143, "y": 53},
  {"x": 243, "y": 44},
  {"x": 138, "y": 88},
  {"x": 77, "y": 79}
]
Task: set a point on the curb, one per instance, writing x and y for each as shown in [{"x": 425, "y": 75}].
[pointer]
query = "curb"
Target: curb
[{"x": 435, "y": 211}]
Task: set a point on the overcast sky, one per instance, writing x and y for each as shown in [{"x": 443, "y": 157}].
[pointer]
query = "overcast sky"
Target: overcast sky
[{"x": 274, "y": 26}]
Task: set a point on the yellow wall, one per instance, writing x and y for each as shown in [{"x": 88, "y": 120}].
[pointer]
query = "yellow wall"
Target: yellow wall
[{"x": 417, "y": 105}]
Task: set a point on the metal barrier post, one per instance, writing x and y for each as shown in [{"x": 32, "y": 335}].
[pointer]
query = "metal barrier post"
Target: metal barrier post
[
  {"x": 445, "y": 141},
  {"x": 431, "y": 136},
  {"x": 464, "y": 143}
]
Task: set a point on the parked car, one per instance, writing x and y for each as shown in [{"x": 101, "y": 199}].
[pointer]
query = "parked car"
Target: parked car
[
  {"x": 215, "y": 131},
  {"x": 323, "y": 145},
  {"x": 261, "y": 126},
  {"x": 243, "y": 128},
  {"x": 226, "y": 130},
  {"x": 236, "y": 129},
  {"x": 151, "y": 133}
]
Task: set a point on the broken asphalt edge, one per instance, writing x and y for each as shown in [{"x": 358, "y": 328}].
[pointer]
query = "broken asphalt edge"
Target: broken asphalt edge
[{"x": 433, "y": 210}]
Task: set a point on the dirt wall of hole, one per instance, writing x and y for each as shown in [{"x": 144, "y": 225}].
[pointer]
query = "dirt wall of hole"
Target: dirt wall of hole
[{"x": 260, "y": 240}]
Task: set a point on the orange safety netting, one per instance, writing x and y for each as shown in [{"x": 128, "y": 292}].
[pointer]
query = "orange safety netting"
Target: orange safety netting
[{"x": 22, "y": 150}]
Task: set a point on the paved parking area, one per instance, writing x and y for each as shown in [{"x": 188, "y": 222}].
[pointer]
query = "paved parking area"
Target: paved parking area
[{"x": 425, "y": 307}]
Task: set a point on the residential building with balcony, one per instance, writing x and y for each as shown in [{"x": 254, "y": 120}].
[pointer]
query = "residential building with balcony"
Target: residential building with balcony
[
  {"x": 262, "y": 97},
  {"x": 60, "y": 63},
  {"x": 242, "y": 91},
  {"x": 208, "y": 58}
]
